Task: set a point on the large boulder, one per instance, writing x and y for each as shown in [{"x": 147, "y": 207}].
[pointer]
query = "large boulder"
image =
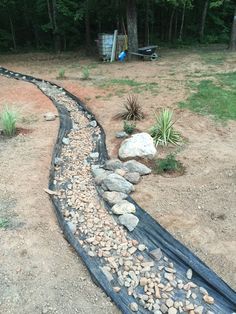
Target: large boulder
[
  {"x": 115, "y": 182},
  {"x": 135, "y": 166},
  {"x": 132, "y": 177},
  {"x": 138, "y": 145},
  {"x": 123, "y": 207}
]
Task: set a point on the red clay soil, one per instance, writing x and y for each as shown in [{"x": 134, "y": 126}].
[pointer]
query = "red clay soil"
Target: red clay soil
[{"x": 39, "y": 272}]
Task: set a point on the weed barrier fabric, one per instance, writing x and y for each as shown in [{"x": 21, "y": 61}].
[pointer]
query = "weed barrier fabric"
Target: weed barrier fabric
[{"x": 148, "y": 231}]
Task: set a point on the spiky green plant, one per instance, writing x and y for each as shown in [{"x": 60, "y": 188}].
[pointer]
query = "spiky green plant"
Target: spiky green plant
[
  {"x": 8, "y": 121},
  {"x": 168, "y": 164},
  {"x": 163, "y": 132}
]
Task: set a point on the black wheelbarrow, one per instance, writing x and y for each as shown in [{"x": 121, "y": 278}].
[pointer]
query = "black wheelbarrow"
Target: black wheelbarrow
[{"x": 148, "y": 53}]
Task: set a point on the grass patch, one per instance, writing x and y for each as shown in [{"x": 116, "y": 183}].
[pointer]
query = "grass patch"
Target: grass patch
[
  {"x": 85, "y": 73},
  {"x": 136, "y": 87},
  {"x": 215, "y": 99},
  {"x": 61, "y": 74},
  {"x": 213, "y": 58}
]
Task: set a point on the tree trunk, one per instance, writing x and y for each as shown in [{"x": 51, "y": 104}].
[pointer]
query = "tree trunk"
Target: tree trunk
[
  {"x": 203, "y": 21},
  {"x": 57, "y": 39},
  {"x": 147, "y": 24},
  {"x": 232, "y": 45},
  {"x": 13, "y": 35},
  {"x": 87, "y": 28},
  {"x": 176, "y": 25},
  {"x": 132, "y": 27},
  {"x": 182, "y": 22},
  {"x": 171, "y": 25}
]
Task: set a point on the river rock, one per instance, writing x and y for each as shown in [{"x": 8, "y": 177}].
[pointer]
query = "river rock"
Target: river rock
[
  {"x": 66, "y": 141},
  {"x": 114, "y": 197},
  {"x": 115, "y": 182},
  {"x": 134, "y": 307},
  {"x": 113, "y": 164},
  {"x": 97, "y": 171},
  {"x": 130, "y": 221},
  {"x": 50, "y": 116},
  {"x": 123, "y": 207},
  {"x": 138, "y": 145},
  {"x": 135, "y": 166},
  {"x": 121, "y": 134},
  {"x": 132, "y": 177}
]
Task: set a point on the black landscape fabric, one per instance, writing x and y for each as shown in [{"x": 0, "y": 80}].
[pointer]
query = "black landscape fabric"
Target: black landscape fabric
[{"x": 148, "y": 231}]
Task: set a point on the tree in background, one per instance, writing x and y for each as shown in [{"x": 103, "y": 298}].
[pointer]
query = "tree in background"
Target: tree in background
[
  {"x": 132, "y": 25},
  {"x": 232, "y": 45}
]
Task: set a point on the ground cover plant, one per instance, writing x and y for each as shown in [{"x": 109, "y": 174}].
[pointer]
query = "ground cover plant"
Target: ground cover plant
[
  {"x": 85, "y": 73},
  {"x": 129, "y": 127},
  {"x": 163, "y": 132},
  {"x": 61, "y": 74},
  {"x": 169, "y": 164},
  {"x": 8, "y": 119},
  {"x": 132, "y": 109},
  {"x": 215, "y": 98}
]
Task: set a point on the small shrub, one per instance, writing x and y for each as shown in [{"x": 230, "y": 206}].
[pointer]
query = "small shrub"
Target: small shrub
[
  {"x": 168, "y": 164},
  {"x": 132, "y": 110},
  {"x": 4, "y": 223},
  {"x": 8, "y": 120},
  {"x": 85, "y": 73},
  {"x": 61, "y": 74},
  {"x": 163, "y": 131},
  {"x": 129, "y": 127}
]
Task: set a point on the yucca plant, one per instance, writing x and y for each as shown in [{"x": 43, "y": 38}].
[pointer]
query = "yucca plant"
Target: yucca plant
[
  {"x": 132, "y": 110},
  {"x": 163, "y": 131},
  {"x": 8, "y": 121}
]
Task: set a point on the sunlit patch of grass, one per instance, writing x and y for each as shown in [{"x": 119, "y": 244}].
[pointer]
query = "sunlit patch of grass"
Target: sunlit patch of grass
[
  {"x": 213, "y": 58},
  {"x": 215, "y": 98}
]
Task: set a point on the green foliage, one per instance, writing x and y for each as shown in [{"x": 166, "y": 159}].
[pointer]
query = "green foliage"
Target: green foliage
[
  {"x": 136, "y": 87},
  {"x": 4, "y": 223},
  {"x": 8, "y": 121},
  {"x": 129, "y": 127},
  {"x": 215, "y": 99},
  {"x": 132, "y": 110},
  {"x": 61, "y": 74},
  {"x": 85, "y": 73},
  {"x": 168, "y": 164},
  {"x": 163, "y": 132}
]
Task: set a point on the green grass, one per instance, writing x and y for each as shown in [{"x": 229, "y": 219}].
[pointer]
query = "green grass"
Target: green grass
[
  {"x": 215, "y": 99},
  {"x": 136, "y": 87},
  {"x": 168, "y": 165},
  {"x": 213, "y": 58},
  {"x": 61, "y": 74}
]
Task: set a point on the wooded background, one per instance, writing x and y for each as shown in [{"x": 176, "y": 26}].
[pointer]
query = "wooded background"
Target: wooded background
[{"x": 67, "y": 24}]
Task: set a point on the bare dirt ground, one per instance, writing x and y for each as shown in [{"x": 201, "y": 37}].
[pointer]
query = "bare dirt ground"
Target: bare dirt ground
[
  {"x": 39, "y": 272},
  {"x": 198, "y": 208}
]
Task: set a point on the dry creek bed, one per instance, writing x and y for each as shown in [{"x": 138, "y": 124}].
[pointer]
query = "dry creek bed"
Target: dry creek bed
[{"x": 153, "y": 284}]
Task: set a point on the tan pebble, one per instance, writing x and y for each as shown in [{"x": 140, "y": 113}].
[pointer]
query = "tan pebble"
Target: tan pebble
[
  {"x": 117, "y": 289},
  {"x": 208, "y": 299},
  {"x": 169, "y": 302},
  {"x": 172, "y": 310}
]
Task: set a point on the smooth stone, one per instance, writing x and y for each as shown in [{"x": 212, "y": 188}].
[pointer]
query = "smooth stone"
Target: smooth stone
[
  {"x": 66, "y": 141},
  {"x": 115, "y": 182},
  {"x": 132, "y": 177},
  {"x": 130, "y": 221},
  {"x": 94, "y": 155},
  {"x": 156, "y": 254},
  {"x": 113, "y": 164},
  {"x": 134, "y": 307},
  {"x": 72, "y": 226},
  {"x": 107, "y": 273},
  {"x": 97, "y": 171},
  {"x": 50, "y": 116},
  {"x": 121, "y": 134},
  {"x": 138, "y": 145},
  {"x": 208, "y": 299},
  {"x": 172, "y": 310},
  {"x": 93, "y": 123},
  {"x": 189, "y": 273},
  {"x": 141, "y": 247},
  {"x": 113, "y": 197},
  {"x": 135, "y": 166},
  {"x": 123, "y": 207}
]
